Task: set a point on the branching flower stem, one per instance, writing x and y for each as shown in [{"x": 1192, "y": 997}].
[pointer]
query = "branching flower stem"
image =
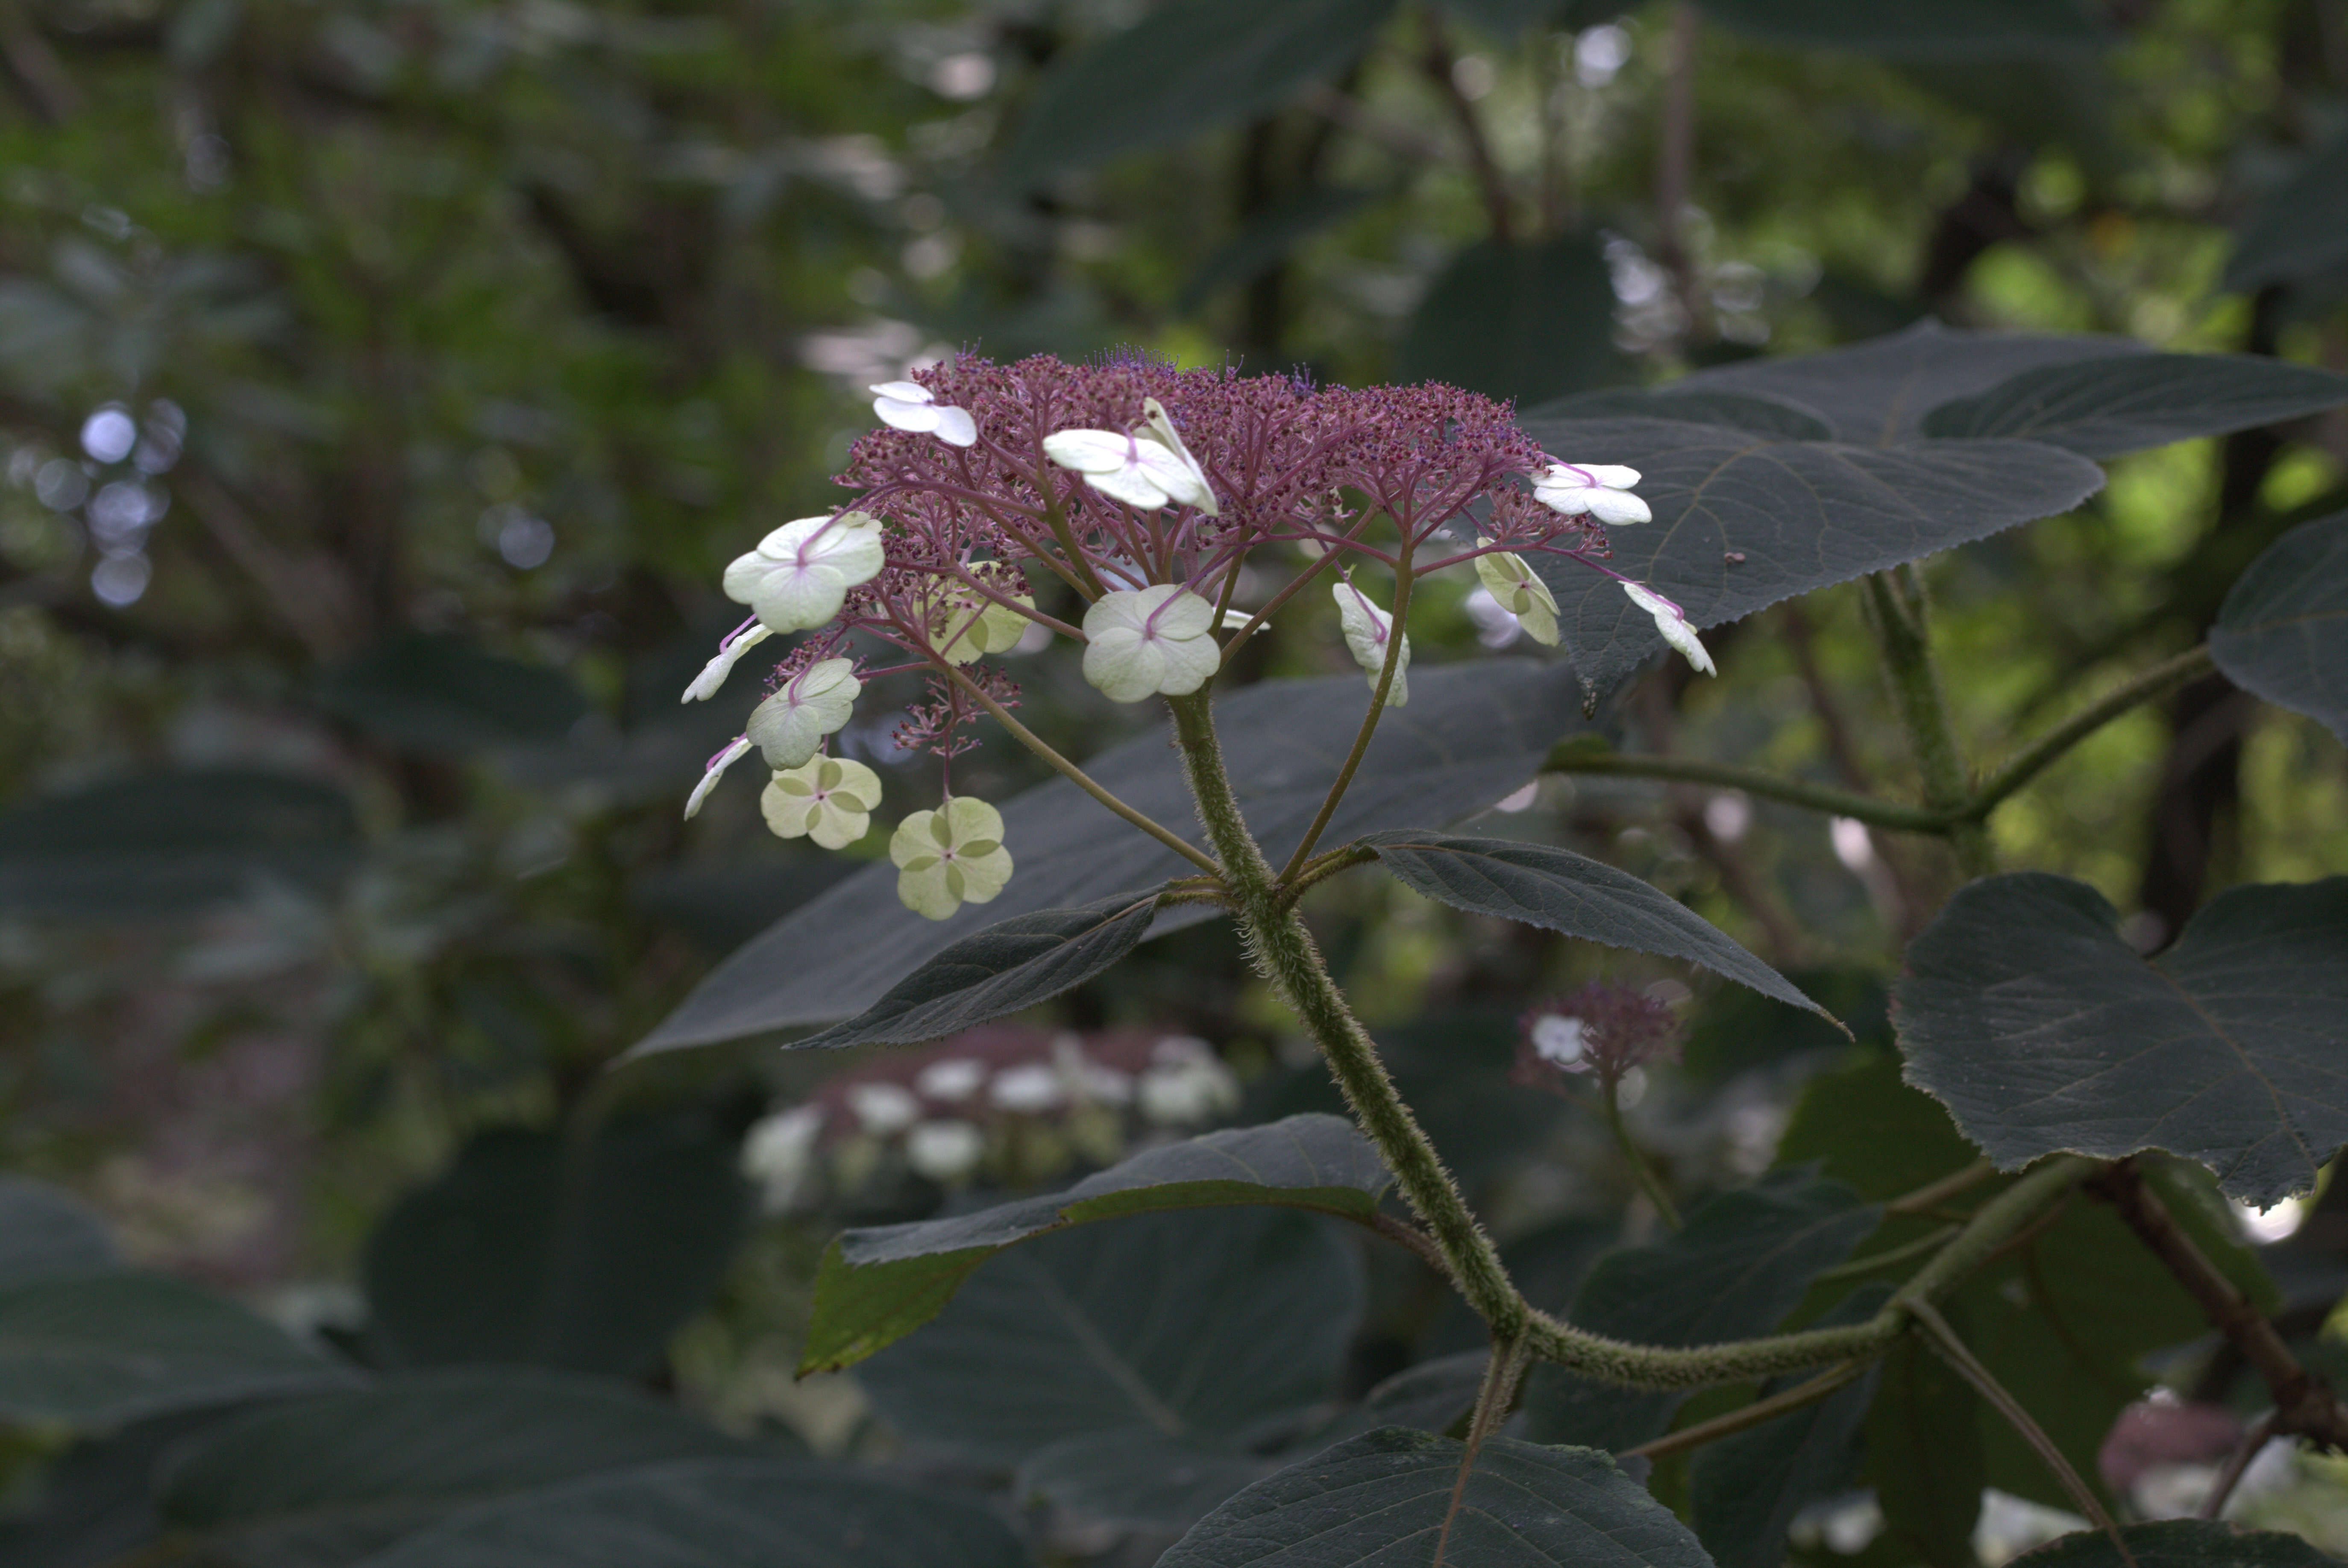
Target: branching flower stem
[
  {"x": 1648, "y": 1184},
  {"x": 2033, "y": 758},
  {"x": 1344, "y": 779}
]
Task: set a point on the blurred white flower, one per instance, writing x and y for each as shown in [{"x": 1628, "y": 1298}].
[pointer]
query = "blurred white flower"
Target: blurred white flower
[
  {"x": 954, "y": 1078},
  {"x": 884, "y": 1110},
  {"x": 1030, "y": 1087},
  {"x": 1187, "y": 1083},
  {"x": 944, "y": 1151},
  {"x": 778, "y": 1154}
]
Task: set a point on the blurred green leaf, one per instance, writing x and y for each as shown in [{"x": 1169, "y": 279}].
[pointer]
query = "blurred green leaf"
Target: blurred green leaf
[
  {"x": 1923, "y": 1452},
  {"x": 443, "y": 694},
  {"x": 1527, "y": 322},
  {"x": 2179, "y": 1543},
  {"x": 46, "y": 1232},
  {"x": 1916, "y": 28},
  {"x": 2283, "y": 633},
  {"x": 2299, "y": 230},
  {"x": 1268, "y": 238}
]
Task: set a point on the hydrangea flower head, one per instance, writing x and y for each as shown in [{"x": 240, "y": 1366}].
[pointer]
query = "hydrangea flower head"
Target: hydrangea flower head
[{"x": 1602, "y": 1030}]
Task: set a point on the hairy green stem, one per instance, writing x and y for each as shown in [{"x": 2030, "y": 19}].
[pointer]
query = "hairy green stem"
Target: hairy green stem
[
  {"x": 1932, "y": 1240},
  {"x": 1648, "y": 1184},
  {"x": 2033, "y": 758},
  {"x": 1566, "y": 758},
  {"x": 1902, "y": 629},
  {"x": 1753, "y": 1415}
]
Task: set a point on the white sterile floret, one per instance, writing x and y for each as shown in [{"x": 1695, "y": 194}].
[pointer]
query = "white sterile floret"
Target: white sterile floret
[
  {"x": 908, "y": 406},
  {"x": 1557, "y": 1038},
  {"x": 1366, "y": 629},
  {"x": 1672, "y": 623},
  {"x": 966, "y": 626},
  {"x": 949, "y": 857},
  {"x": 1515, "y": 589},
  {"x": 1152, "y": 641},
  {"x": 1150, "y": 467},
  {"x": 800, "y": 575},
  {"x": 778, "y": 1154},
  {"x": 884, "y": 1110},
  {"x": 830, "y": 800},
  {"x": 712, "y": 674},
  {"x": 788, "y": 725},
  {"x": 944, "y": 1151},
  {"x": 736, "y": 749},
  {"x": 1600, "y": 490}
]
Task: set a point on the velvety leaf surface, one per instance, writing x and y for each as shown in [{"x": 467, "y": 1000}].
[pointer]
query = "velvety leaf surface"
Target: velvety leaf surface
[
  {"x": 1432, "y": 1396},
  {"x": 1739, "y": 411},
  {"x": 327, "y": 1481},
  {"x": 1189, "y": 66},
  {"x": 1916, "y": 29},
  {"x": 1922, "y": 1444},
  {"x": 100, "y": 1349},
  {"x": 46, "y": 1232},
  {"x": 2103, "y": 407},
  {"x": 2025, "y": 1013},
  {"x": 1386, "y": 1498},
  {"x": 1543, "y": 885},
  {"x": 1015, "y": 963},
  {"x": 2283, "y": 633},
  {"x": 1743, "y": 1262},
  {"x": 2179, "y": 1543},
  {"x": 1877, "y": 393},
  {"x": 1472, "y": 733},
  {"x": 699, "y": 1513},
  {"x": 1198, "y": 1326},
  {"x": 170, "y": 840},
  {"x": 524, "y": 1252},
  {"x": 433, "y": 693},
  {"x": 876, "y": 1286},
  {"x": 2299, "y": 230},
  {"x": 1743, "y": 519},
  {"x": 1140, "y": 1479},
  {"x": 1519, "y": 320},
  {"x": 95, "y": 1506}
]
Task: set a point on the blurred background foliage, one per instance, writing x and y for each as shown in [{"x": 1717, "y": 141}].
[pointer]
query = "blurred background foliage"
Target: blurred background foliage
[{"x": 383, "y": 383}]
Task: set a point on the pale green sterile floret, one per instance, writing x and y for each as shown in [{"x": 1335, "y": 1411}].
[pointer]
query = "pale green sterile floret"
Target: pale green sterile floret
[
  {"x": 966, "y": 626},
  {"x": 729, "y": 653},
  {"x": 800, "y": 575},
  {"x": 1511, "y": 584},
  {"x": 830, "y": 800},
  {"x": 1366, "y": 629},
  {"x": 736, "y": 749},
  {"x": 950, "y": 857},
  {"x": 1673, "y": 624},
  {"x": 788, "y": 725},
  {"x": 1150, "y": 641}
]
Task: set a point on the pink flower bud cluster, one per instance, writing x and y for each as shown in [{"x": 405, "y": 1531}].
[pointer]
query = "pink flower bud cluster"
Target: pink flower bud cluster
[{"x": 1602, "y": 1030}]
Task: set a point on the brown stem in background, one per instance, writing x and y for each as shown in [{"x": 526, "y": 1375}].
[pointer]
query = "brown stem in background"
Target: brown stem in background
[
  {"x": 1437, "y": 62},
  {"x": 35, "y": 67},
  {"x": 1675, "y": 165},
  {"x": 2230, "y": 1477},
  {"x": 2305, "y": 1406}
]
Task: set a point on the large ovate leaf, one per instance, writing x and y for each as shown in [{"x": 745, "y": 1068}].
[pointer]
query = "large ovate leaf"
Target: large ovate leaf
[
  {"x": 1554, "y": 887},
  {"x": 1922, "y": 1444},
  {"x": 879, "y": 1285},
  {"x": 1015, "y": 963},
  {"x": 2179, "y": 1543},
  {"x": 94, "y": 1505},
  {"x": 1744, "y": 520},
  {"x": 1877, "y": 393},
  {"x": 2283, "y": 633},
  {"x": 2103, "y": 407},
  {"x": 1738, "y": 410},
  {"x": 1743, "y": 1261},
  {"x": 1190, "y": 65},
  {"x": 1967, "y": 30},
  {"x": 1393, "y": 1498},
  {"x": 1519, "y": 320},
  {"x": 1200, "y": 1326},
  {"x": 433, "y": 693},
  {"x": 529, "y": 1250},
  {"x": 45, "y": 1231},
  {"x": 2299, "y": 230},
  {"x": 1140, "y": 1478},
  {"x": 1472, "y": 733},
  {"x": 317, "y": 1482},
  {"x": 2024, "y": 1012},
  {"x": 100, "y": 1349},
  {"x": 696, "y": 1513},
  {"x": 166, "y": 841}
]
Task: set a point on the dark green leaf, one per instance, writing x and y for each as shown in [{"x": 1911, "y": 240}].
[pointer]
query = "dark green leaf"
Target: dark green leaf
[
  {"x": 1740, "y": 411},
  {"x": 877, "y": 1285},
  {"x": 2283, "y": 633},
  {"x": 1968, "y": 29},
  {"x": 99, "y": 1349},
  {"x": 93, "y": 1506},
  {"x": 528, "y": 1250},
  {"x": 1268, "y": 238},
  {"x": 1924, "y": 1447},
  {"x": 163, "y": 842},
  {"x": 2179, "y": 1543},
  {"x": 1140, "y": 1479},
  {"x": 1432, "y": 1396},
  {"x": 1560, "y": 891},
  {"x": 1015, "y": 963},
  {"x": 2025, "y": 1013},
  {"x": 1742, "y": 519},
  {"x": 442, "y": 694},
  {"x": 1188, "y": 66},
  {"x": 1526, "y": 322},
  {"x": 1745, "y": 1488},
  {"x": 2299, "y": 230},
  {"x": 1387, "y": 1498},
  {"x": 2103, "y": 407},
  {"x": 1877, "y": 393},
  {"x": 698, "y": 1512},
  {"x": 1198, "y": 1326},
  {"x": 1472, "y": 733},
  {"x": 324, "y": 1481},
  {"x": 1743, "y": 1263},
  {"x": 45, "y": 1232}
]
